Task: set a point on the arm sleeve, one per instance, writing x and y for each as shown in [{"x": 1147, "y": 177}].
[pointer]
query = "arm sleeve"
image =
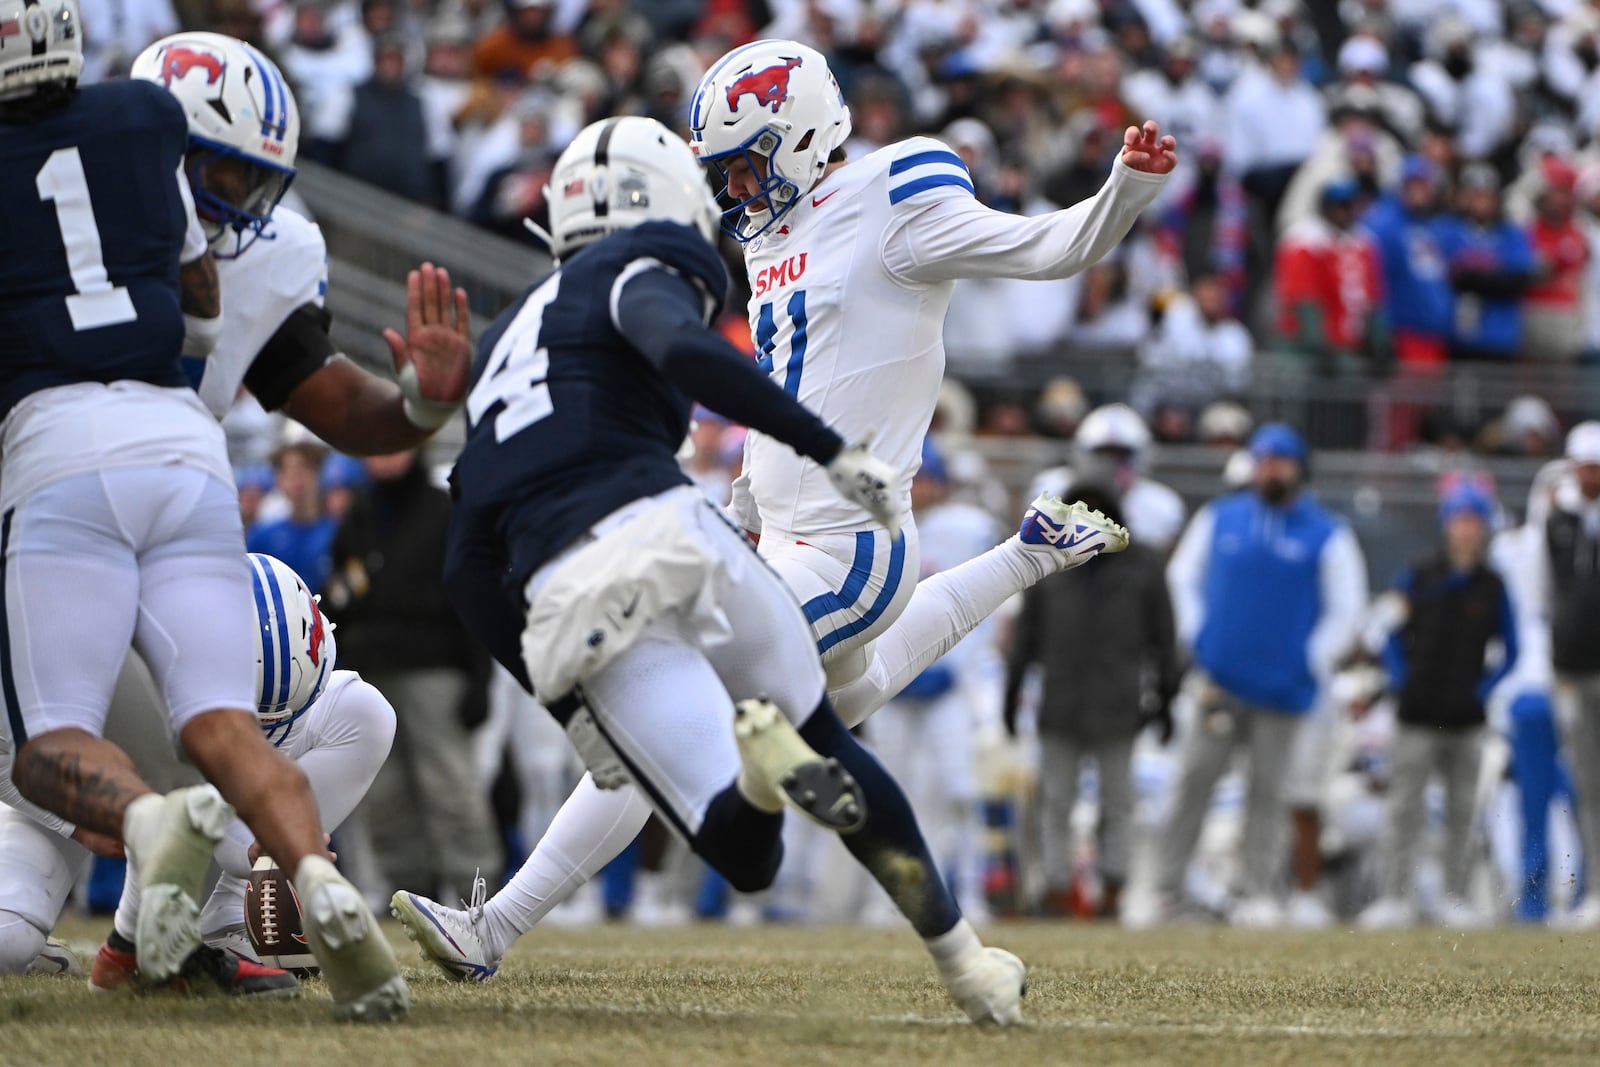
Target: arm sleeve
[
  {"x": 1508, "y": 638},
  {"x": 662, "y": 316},
  {"x": 194, "y": 237},
  {"x": 958, "y": 237},
  {"x": 1186, "y": 575},
  {"x": 299, "y": 348},
  {"x": 474, "y": 580},
  {"x": 1344, "y": 593}
]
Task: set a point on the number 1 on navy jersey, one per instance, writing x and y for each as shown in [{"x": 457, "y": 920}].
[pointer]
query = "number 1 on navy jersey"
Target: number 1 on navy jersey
[
  {"x": 516, "y": 371},
  {"x": 97, "y": 303},
  {"x": 766, "y": 341}
]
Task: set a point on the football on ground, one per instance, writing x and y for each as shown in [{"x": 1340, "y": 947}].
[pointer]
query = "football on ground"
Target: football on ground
[
  {"x": 273, "y": 921},
  {"x": 705, "y": 996}
]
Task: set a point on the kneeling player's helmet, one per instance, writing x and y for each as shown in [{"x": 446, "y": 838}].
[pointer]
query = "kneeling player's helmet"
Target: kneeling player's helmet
[
  {"x": 1113, "y": 428},
  {"x": 779, "y": 101},
  {"x": 620, "y": 172},
  {"x": 294, "y": 649},
  {"x": 41, "y": 45},
  {"x": 244, "y": 129}
]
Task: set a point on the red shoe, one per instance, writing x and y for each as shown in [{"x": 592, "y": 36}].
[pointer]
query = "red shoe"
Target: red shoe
[{"x": 206, "y": 968}]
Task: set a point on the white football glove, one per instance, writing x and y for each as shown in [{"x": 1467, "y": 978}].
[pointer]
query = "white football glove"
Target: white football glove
[{"x": 864, "y": 479}]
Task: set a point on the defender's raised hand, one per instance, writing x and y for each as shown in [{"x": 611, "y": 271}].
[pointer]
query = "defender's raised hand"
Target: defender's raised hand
[{"x": 435, "y": 355}]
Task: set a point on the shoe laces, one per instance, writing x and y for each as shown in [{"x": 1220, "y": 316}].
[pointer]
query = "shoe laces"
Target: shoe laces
[{"x": 480, "y": 897}]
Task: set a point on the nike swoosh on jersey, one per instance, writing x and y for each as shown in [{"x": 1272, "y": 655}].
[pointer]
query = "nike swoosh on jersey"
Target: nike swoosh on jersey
[{"x": 818, "y": 201}]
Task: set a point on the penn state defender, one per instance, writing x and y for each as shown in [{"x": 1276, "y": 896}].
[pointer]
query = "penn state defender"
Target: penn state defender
[
  {"x": 626, "y": 586},
  {"x": 852, "y": 266},
  {"x": 118, "y": 520}
]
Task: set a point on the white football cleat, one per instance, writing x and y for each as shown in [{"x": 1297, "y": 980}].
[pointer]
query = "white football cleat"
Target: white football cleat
[
  {"x": 235, "y": 941},
  {"x": 170, "y": 840},
  {"x": 991, "y": 990},
  {"x": 1260, "y": 913},
  {"x": 56, "y": 958},
  {"x": 355, "y": 957},
  {"x": 1387, "y": 913},
  {"x": 453, "y": 939},
  {"x": 1068, "y": 535},
  {"x": 780, "y": 768}
]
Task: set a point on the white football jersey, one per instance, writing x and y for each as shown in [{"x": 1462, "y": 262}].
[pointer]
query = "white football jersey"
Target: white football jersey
[
  {"x": 849, "y": 293},
  {"x": 283, "y": 270}
]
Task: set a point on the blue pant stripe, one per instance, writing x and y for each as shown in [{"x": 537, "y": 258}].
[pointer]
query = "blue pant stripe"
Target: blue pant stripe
[
  {"x": 821, "y": 606},
  {"x": 891, "y": 583}
]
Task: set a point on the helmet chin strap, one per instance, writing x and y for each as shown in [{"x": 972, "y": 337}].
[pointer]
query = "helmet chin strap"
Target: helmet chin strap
[{"x": 541, "y": 233}]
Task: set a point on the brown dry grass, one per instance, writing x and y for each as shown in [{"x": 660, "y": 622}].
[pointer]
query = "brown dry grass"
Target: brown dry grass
[{"x": 708, "y": 996}]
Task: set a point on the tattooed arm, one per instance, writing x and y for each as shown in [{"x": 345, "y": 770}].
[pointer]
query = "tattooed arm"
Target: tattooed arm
[{"x": 200, "y": 297}]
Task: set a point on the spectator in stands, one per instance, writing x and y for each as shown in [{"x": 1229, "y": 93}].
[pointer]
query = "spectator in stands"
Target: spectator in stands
[
  {"x": 254, "y": 481},
  {"x": 1101, "y": 686},
  {"x": 304, "y": 537},
  {"x": 1198, "y": 352},
  {"x": 1268, "y": 588},
  {"x": 1330, "y": 289},
  {"x": 114, "y": 31},
  {"x": 1461, "y": 92},
  {"x": 427, "y": 813},
  {"x": 1556, "y": 305},
  {"x": 1357, "y": 147},
  {"x": 1565, "y": 589},
  {"x": 1205, "y": 227},
  {"x": 342, "y": 477},
  {"x": 325, "y": 62},
  {"x": 1440, "y": 663},
  {"x": 1364, "y": 65},
  {"x": 1490, "y": 263},
  {"x": 387, "y": 143},
  {"x": 523, "y": 41},
  {"x": 1418, "y": 300}
]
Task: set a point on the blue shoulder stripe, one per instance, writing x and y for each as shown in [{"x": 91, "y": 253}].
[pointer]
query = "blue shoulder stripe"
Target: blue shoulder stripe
[
  {"x": 932, "y": 155},
  {"x": 922, "y": 185}
]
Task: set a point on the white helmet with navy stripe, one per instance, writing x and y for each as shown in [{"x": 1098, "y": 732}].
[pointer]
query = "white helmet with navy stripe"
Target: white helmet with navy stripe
[
  {"x": 294, "y": 645},
  {"x": 41, "y": 47},
  {"x": 620, "y": 172},
  {"x": 779, "y": 101},
  {"x": 244, "y": 129}
]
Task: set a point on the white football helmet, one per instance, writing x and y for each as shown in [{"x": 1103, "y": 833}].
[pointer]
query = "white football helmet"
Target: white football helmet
[
  {"x": 295, "y": 650},
  {"x": 621, "y": 172},
  {"x": 777, "y": 100},
  {"x": 40, "y": 45},
  {"x": 1113, "y": 426},
  {"x": 240, "y": 109}
]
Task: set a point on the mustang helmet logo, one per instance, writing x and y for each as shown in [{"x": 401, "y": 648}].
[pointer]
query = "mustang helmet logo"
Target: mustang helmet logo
[
  {"x": 179, "y": 60},
  {"x": 770, "y": 87}
]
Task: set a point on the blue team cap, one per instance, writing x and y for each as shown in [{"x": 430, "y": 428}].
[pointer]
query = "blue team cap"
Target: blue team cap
[
  {"x": 1342, "y": 191},
  {"x": 933, "y": 465},
  {"x": 1465, "y": 497},
  {"x": 1418, "y": 168},
  {"x": 254, "y": 476},
  {"x": 1277, "y": 439},
  {"x": 342, "y": 472}
]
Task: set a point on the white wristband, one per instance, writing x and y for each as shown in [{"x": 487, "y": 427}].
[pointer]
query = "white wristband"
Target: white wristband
[
  {"x": 421, "y": 412},
  {"x": 200, "y": 335}
]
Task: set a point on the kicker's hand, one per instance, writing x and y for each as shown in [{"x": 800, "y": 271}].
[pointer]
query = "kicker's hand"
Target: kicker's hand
[{"x": 864, "y": 479}]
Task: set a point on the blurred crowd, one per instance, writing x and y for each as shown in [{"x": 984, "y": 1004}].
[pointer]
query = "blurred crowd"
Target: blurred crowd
[{"x": 1368, "y": 188}]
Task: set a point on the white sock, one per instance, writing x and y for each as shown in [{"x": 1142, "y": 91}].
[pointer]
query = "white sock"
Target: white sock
[
  {"x": 954, "y": 950},
  {"x": 945, "y": 608},
  {"x": 126, "y": 920},
  {"x": 592, "y": 827}
]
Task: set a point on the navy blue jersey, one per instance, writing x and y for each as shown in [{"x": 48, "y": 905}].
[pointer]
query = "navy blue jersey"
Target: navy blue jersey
[
  {"x": 566, "y": 420},
  {"x": 92, "y": 225}
]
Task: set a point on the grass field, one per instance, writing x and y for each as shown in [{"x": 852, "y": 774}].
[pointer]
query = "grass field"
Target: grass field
[{"x": 706, "y": 996}]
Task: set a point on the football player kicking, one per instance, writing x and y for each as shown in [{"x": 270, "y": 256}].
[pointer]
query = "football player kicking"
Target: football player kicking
[
  {"x": 336, "y": 728},
  {"x": 595, "y": 571},
  {"x": 851, "y": 266},
  {"x": 118, "y": 521}
]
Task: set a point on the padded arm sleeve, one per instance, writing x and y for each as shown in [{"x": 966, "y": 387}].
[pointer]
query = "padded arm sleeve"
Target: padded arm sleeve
[
  {"x": 298, "y": 350},
  {"x": 660, "y": 314}
]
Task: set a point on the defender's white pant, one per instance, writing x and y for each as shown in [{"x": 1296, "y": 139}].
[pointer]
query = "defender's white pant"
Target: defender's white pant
[
  {"x": 38, "y": 868},
  {"x": 152, "y": 557},
  {"x": 665, "y": 703}
]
